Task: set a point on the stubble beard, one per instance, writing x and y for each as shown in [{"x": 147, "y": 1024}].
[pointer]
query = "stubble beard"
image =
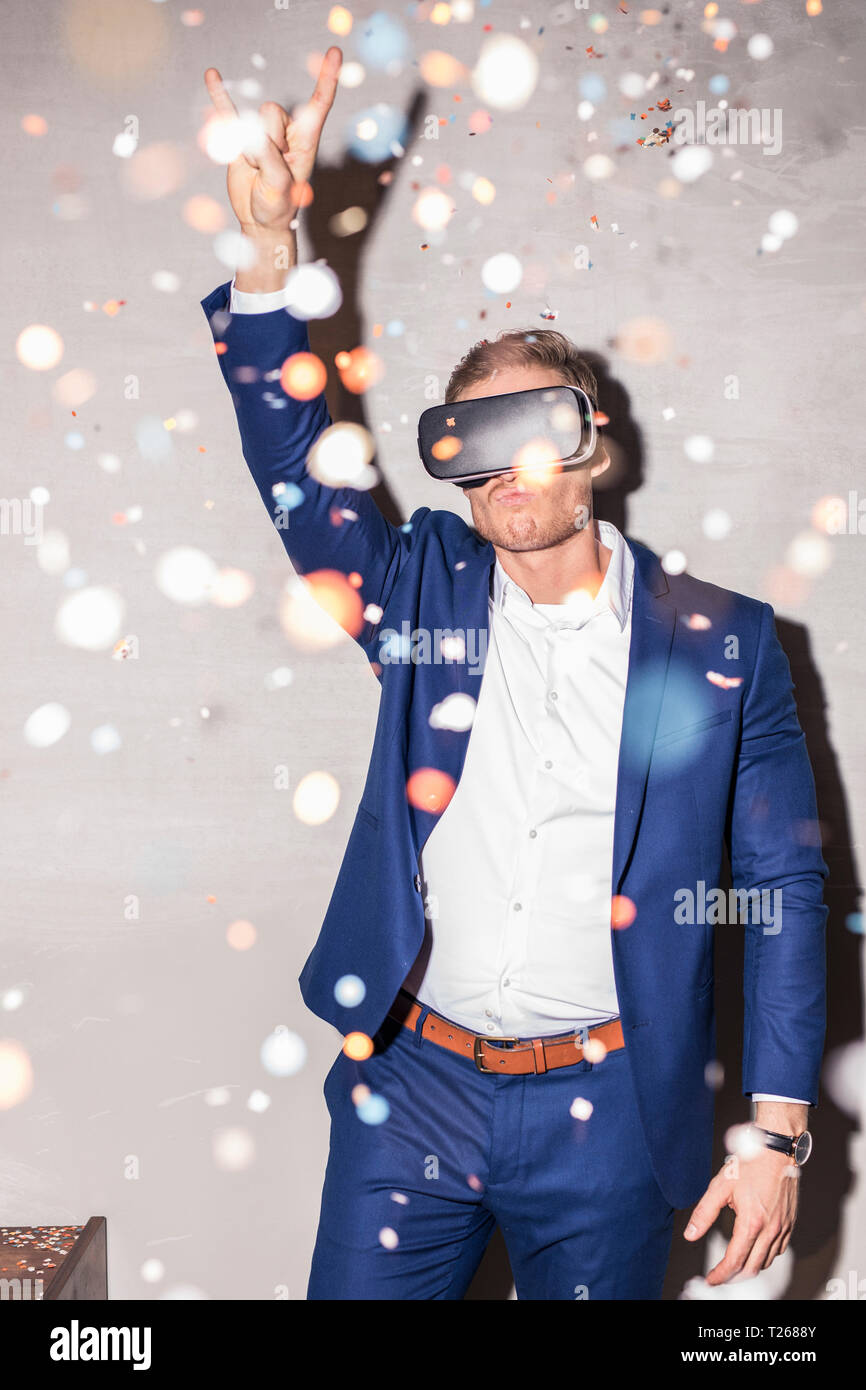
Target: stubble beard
[{"x": 524, "y": 532}]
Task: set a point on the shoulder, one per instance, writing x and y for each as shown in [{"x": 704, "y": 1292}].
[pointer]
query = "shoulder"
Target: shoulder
[
  {"x": 443, "y": 529},
  {"x": 699, "y": 596}
]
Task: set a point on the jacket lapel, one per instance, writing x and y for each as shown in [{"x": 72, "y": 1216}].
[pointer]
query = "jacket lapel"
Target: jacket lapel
[
  {"x": 445, "y": 749},
  {"x": 652, "y": 629}
]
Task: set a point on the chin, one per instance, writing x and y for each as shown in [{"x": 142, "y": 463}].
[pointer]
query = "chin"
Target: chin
[{"x": 520, "y": 535}]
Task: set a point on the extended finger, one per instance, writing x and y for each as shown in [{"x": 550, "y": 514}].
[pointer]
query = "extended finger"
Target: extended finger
[
  {"x": 326, "y": 83},
  {"x": 758, "y": 1257},
  {"x": 776, "y": 1248},
  {"x": 305, "y": 127},
  {"x": 736, "y": 1254},
  {"x": 218, "y": 94}
]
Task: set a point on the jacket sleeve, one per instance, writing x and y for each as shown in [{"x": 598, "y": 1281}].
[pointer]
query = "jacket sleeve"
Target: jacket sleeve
[
  {"x": 775, "y": 848},
  {"x": 321, "y": 527}
]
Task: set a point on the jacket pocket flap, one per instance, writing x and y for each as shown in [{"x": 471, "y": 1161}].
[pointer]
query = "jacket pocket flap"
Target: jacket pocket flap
[{"x": 722, "y": 716}]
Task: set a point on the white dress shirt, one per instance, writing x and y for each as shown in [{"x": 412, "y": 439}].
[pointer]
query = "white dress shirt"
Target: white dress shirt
[{"x": 517, "y": 870}]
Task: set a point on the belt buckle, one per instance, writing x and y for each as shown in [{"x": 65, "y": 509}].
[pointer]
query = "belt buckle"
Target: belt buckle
[{"x": 476, "y": 1048}]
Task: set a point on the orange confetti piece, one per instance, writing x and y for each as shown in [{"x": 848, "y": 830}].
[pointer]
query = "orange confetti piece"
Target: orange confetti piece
[
  {"x": 303, "y": 376},
  {"x": 429, "y": 789},
  {"x": 446, "y": 447},
  {"x": 724, "y": 682},
  {"x": 357, "y": 1046},
  {"x": 622, "y": 912},
  {"x": 359, "y": 369},
  {"x": 332, "y": 591}
]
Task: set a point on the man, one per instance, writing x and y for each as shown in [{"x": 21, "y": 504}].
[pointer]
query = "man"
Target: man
[{"x": 512, "y": 947}]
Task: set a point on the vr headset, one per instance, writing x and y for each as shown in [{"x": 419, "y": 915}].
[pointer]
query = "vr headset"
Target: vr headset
[{"x": 468, "y": 442}]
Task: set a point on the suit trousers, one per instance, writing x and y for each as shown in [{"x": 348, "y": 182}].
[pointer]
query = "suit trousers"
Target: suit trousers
[{"x": 428, "y": 1154}]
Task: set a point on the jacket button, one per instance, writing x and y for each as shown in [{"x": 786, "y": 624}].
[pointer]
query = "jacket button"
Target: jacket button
[{"x": 417, "y": 882}]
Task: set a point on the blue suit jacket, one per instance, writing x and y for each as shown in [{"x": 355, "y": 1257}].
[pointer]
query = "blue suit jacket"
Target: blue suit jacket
[{"x": 701, "y": 763}]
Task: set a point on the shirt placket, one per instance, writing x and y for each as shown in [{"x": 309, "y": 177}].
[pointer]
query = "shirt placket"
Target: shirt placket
[{"x": 539, "y": 714}]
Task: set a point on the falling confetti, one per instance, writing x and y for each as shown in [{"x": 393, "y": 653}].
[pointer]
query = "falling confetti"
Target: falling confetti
[
  {"x": 283, "y": 1053},
  {"x": 39, "y": 347},
  {"x": 358, "y": 1046},
  {"x": 313, "y": 291},
  {"x": 428, "y": 789},
  {"x": 303, "y": 376},
  {"x": 241, "y": 935},
  {"x": 341, "y": 457},
  {"x": 502, "y": 273},
  {"x": 455, "y": 712},
  {"x": 506, "y": 73},
  {"x": 622, "y": 912},
  {"x": 47, "y": 725},
  {"x": 316, "y": 798},
  {"x": 349, "y": 991}
]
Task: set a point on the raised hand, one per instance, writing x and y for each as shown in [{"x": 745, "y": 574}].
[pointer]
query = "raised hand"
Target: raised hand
[{"x": 267, "y": 186}]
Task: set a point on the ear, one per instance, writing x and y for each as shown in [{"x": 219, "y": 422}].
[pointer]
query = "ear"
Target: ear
[{"x": 603, "y": 462}]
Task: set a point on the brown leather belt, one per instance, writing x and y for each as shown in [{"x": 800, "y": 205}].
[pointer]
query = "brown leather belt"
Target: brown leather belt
[{"x": 527, "y": 1055}]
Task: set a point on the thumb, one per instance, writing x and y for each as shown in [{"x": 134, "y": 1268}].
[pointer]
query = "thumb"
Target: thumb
[{"x": 706, "y": 1211}]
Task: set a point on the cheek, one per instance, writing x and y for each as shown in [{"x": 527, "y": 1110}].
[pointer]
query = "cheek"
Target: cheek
[
  {"x": 565, "y": 498},
  {"x": 476, "y": 506},
  {"x": 577, "y": 501}
]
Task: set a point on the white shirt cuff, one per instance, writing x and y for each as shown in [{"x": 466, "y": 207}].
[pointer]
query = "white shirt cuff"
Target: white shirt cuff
[
  {"x": 249, "y": 302},
  {"x": 790, "y": 1100}
]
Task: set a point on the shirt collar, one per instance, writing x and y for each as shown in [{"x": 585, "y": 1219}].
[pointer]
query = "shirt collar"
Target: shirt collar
[{"x": 614, "y": 595}]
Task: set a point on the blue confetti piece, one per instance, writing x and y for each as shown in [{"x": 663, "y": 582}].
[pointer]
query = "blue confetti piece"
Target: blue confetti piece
[
  {"x": 287, "y": 496},
  {"x": 374, "y": 1110}
]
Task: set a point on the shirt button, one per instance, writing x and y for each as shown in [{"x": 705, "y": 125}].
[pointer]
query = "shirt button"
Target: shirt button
[
  {"x": 490, "y": 1028},
  {"x": 506, "y": 983},
  {"x": 489, "y": 1013},
  {"x": 553, "y": 695},
  {"x": 548, "y": 763},
  {"x": 518, "y": 907},
  {"x": 532, "y": 834}
]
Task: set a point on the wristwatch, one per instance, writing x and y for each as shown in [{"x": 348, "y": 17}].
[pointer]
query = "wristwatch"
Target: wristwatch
[{"x": 799, "y": 1146}]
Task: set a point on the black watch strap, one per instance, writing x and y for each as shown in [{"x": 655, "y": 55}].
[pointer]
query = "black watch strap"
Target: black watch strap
[
  {"x": 798, "y": 1146},
  {"x": 782, "y": 1143}
]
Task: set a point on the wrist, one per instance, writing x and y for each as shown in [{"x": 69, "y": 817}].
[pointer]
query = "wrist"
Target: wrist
[
  {"x": 781, "y": 1117},
  {"x": 276, "y": 253}
]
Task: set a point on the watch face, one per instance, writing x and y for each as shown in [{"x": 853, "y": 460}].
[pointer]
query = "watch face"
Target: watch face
[{"x": 802, "y": 1148}]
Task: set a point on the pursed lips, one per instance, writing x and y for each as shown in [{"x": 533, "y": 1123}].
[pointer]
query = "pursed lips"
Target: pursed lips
[{"x": 512, "y": 495}]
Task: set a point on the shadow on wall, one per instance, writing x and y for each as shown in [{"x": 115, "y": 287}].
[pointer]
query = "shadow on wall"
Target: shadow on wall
[
  {"x": 827, "y": 1179},
  {"x": 351, "y": 183}
]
